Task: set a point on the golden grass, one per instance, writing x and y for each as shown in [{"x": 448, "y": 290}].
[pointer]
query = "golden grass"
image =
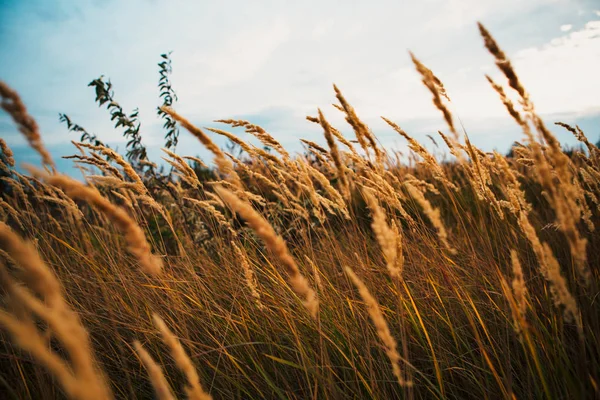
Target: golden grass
[
  {"x": 134, "y": 235},
  {"x": 276, "y": 244},
  {"x": 477, "y": 278},
  {"x": 13, "y": 105}
]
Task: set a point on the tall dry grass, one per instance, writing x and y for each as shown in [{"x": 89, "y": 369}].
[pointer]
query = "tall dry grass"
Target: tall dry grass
[{"x": 476, "y": 278}]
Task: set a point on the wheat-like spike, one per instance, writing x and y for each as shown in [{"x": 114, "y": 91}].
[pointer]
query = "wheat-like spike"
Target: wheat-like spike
[
  {"x": 382, "y": 187},
  {"x": 82, "y": 380},
  {"x": 13, "y": 105},
  {"x": 336, "y": 196},
  {"x": 386, "y": 237},
  {"x": 426, "y": 186},
  {"x": 28, "y": 337},
  {"x": 334, "y": 131},
  {"x": 197, "y": 160},
  {"x": 38, "y": 275},
  {"x": 428, "y": 159},
  {"x": 551, "y": 270},
  {"x": 197, "y": 132},
  {"x": 316, "y": 273},
  {"x": 186, "y": 172},
  {"x": 68, "y": 329},
  {"x": 245, "y": 146},
  {"x": 224, "y": 165},
  {"x": 219, "y": 217},
  {"x": 580, "y": 135},
  {"x": 111, "y": 182},
  {"x": 433, "y": 214},
  {"x": 194, "y": 389},
  {"x": 134, "y": 235},
  {"x": 433, "y": 84},
  {"x": 16, "y": 216},
  {"x": 503, "y": 63},
  {"x": 519, "y": 289},
  {"x": 383, "y": 330},
  {"x": 258, "y": 176},
  {"x": 335, "y": 155},
  {"x": 315, "y": 146},
  {"x": 276, "y": 244},
  {"x": 260, "y": 134},
  {"x": 127, "y": 168},
  {"x": 360, "y": 129},
  {"x": 157, "y": 377},
  {"x": 562, "y": 193},
  {"x": 7, "y": 152},
  {"x": 248, "y": 275}
]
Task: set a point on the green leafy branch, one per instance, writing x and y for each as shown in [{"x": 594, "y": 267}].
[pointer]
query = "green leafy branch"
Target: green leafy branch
[
  {"x": 136, "y": 151},
  {"x": 168, "y": 95},
  {"x": 85, "y": 135}
]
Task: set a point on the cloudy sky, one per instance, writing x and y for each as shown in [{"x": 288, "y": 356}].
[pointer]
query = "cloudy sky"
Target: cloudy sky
[{"x": 274, "y": 62}]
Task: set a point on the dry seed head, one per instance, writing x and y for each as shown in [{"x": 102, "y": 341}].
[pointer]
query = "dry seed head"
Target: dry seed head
[
  {"x": 338, "y": 135},
  {"x": 360, "y": 129},
  {"x": 503, "y": 63},
  {"x": 13, "y": 105},
  {"x": 386, "y": 191},
  {"x": 259, "y": 133},
  {"x": 507, "y": 102},
  {"x": 550, "y": 268},
  {"x": 259, "y": 177},
  {"x": 276, "y": 244},
  {"x": 197, "y": 160},
  {"x": 519, "y": 288},
  {"x": 134, "y": 235},
  {"x": 399, "y": 265},
  {"x": 194, "y": 389},
  {"x": 428, "y": 160},
  {"x": 335, "y": 155},
  {"x": 37, "y": 274},
  {"x": 248, "y": 275},
  {"x": 221, "y": 160},
  {"x": 386, "y": 237},
  {"x": 26, "y": 335},
  {"x": 197, "y": 132},
  {"x": 550, "y": 163},
  {"x": 157, "y": 377},
  {"x": 562, "y": 193},
  {"x": 316, "y": 273},
  {"x": 383, "y": 330},
  {"x": 186, "y": 172},
  {"x": 127, "y": 168},
  {"x": 7, "y": 152},
  {"x": 245, "y": 146},
  {"x": 69, "y": 331},
  {"x": 436, "y": 89},
  {"x": 314, "y": 146},
  {"x": 207, "y": 206},
  {"x": 433, "y": 214},
  {"x": 81, "y": 380}
]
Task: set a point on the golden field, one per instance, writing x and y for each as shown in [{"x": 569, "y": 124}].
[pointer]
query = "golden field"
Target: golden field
[{"x": 348, "y": 271}]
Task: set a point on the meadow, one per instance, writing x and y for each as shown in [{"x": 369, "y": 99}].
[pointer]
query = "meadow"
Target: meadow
[{"x": 347, "y": 271}]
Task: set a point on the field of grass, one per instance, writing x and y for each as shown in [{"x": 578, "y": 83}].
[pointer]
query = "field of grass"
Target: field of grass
[{"x": 349, "y": 271}]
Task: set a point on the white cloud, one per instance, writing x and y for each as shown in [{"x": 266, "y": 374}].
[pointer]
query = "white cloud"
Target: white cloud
[
  {"x": 271, "y": 54},
  {"x": 459, "y": 13},
  {"x": 562, "y": 75},
  {"x": 323, "y": 28},
  {"x": 243, "y": 54},
  {"x": 566, "y": 27}
]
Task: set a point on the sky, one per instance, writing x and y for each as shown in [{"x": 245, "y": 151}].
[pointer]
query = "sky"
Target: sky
[{"x": 274, "y": 62}]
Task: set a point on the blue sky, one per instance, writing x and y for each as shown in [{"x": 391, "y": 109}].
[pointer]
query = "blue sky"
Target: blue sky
[{"x": 274, "y": 62}]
